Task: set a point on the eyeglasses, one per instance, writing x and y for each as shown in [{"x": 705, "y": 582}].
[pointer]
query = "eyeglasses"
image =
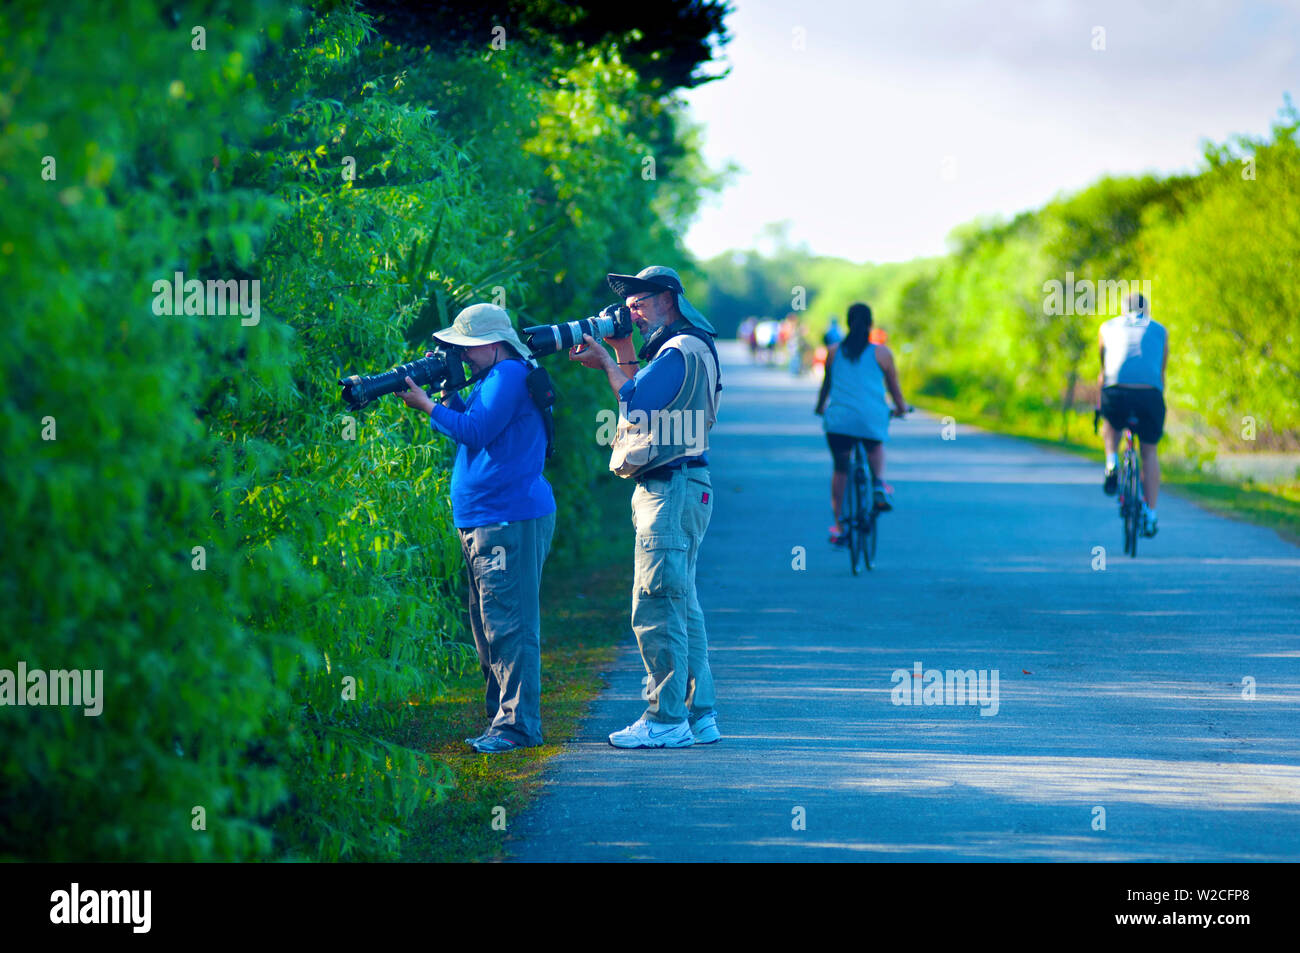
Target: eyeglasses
[{"x": 636, "y": 302}]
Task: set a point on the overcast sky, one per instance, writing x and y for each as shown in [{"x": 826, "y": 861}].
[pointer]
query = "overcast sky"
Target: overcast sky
[{"x": 900, "y": 120}]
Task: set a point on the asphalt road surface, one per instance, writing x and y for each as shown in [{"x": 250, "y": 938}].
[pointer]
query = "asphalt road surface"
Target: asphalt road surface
[{"x": 1124, "y": 727}]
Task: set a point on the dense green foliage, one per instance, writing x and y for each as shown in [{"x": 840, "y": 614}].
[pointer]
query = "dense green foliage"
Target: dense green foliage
[
  {"x": 1219, "y": 250},
  {"x": 667, "y": 44},
  {"x": 371, "y": 189},
  {"x": 1229, "y": 284},
  {"x": 101, "y": 520}
]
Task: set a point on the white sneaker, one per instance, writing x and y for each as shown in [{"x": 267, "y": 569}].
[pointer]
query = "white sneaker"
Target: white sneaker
[
  {"x": 653, "y": 734},
  {"x": 1148, "y": 520},
  {"x": 705, "y": 729}
]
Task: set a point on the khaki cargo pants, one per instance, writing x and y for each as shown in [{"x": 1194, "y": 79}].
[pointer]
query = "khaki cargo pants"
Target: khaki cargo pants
[{"x": 670, "y": 515}]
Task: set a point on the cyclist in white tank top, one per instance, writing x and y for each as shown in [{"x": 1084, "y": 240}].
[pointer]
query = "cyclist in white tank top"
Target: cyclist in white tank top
[
  {"x": 1134, "y": 353},
  {"x": 852, "y": 406}
]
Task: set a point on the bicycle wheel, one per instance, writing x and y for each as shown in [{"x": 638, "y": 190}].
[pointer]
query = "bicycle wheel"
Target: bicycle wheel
[
  {"x": 854, "y": 509},
  {"x": 869, "y": 520},
  {"x": 1139, "y": 504},
  {"x": 1132, "y": 506}
]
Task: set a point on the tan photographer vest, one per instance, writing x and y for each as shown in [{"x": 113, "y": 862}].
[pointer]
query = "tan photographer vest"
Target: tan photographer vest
[{"x": 645, "y": 440}]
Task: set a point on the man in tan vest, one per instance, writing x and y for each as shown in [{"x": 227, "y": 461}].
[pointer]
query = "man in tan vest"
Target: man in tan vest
[{"x": 666, "y": 409}]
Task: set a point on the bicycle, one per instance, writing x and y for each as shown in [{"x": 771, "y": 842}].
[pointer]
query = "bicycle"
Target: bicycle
[
  {"x": 1130, "y": 484},
  {"x": 860, "y": 511}
]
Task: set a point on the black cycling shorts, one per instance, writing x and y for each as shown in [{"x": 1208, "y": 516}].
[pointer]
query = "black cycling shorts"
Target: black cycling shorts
[
  {"x": 1147, "y": 404},
  {"x": 842, "y": 449}
]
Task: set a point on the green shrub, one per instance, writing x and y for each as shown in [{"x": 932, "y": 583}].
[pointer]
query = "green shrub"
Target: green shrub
[
  {"x": 1229, "y": 293},
  {"x": 371, "y": 190},
  {"x": 102, "y": 520}
]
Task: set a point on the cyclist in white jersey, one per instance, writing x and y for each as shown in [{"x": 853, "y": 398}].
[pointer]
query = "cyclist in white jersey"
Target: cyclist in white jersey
[
  {"x": 852, "y": 405},
  {"x": 1134, "y": 355}
]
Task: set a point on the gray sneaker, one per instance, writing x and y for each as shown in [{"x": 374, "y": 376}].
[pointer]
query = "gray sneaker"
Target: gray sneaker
[
  {"x": 705, "y": 729},
  {"x": 494, "y": 744}
]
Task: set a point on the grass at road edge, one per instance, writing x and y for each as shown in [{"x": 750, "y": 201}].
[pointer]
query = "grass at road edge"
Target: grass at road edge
[
  {"x": 585, "y": 606},
  {"x": 1275, "y": 506}
]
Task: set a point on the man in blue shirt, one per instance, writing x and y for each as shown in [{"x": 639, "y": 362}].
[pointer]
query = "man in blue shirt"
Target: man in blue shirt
[
  {"x": 665, "y": 412},
  {"x": 504, "y": 511}
]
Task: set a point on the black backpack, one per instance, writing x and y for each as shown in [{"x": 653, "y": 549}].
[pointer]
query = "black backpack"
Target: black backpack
[{"x": 542, "y": 392}]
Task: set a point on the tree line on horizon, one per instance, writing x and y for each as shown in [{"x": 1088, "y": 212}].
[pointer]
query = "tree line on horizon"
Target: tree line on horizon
[{"x": 996, "y": 323}]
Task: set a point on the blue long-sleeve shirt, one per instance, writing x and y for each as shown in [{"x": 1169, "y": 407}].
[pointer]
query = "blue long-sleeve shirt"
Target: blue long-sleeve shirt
[
  {"x": 497, "y": 476},
  {"x": 655, "y": 385}
]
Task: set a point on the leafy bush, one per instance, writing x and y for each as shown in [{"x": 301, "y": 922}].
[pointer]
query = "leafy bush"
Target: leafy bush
[
  {"x": 1229, "y": 291},
  {"x": 103, "y": 516},
  {"x": 371, "y": 190}
]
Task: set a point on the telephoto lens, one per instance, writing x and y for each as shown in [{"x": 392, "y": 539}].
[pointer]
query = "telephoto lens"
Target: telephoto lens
[
  {"x": 440, "y": 371},
  {"x": 614, "y": 321}
]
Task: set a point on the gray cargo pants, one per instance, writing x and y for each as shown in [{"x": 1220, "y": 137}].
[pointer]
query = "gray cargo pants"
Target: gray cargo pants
[
  {"x": 504, "y": 563},
  {"x": 671, "y": 515}
]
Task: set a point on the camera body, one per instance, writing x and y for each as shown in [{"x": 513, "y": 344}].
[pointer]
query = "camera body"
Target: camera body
[
  {"x": 444, "y": 370},
  {"x": 614, "y": 321}
]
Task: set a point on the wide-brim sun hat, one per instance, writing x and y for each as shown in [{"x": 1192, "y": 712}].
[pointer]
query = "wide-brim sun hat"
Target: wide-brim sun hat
[
  {"x": 660, "y": 278},
  {"x": 483, "y": 324}
]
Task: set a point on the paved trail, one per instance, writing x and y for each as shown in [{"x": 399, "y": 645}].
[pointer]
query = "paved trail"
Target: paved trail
[{"x": 1133, "y": 701}]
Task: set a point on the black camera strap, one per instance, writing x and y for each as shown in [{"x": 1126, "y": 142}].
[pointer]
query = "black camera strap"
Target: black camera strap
[
  {"x": 650, "y": 350},
  {"x": 469, "y": 381}
]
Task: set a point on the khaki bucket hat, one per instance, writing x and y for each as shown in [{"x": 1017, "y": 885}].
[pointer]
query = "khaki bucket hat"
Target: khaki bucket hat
[{"x": 483, "y": 324}]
